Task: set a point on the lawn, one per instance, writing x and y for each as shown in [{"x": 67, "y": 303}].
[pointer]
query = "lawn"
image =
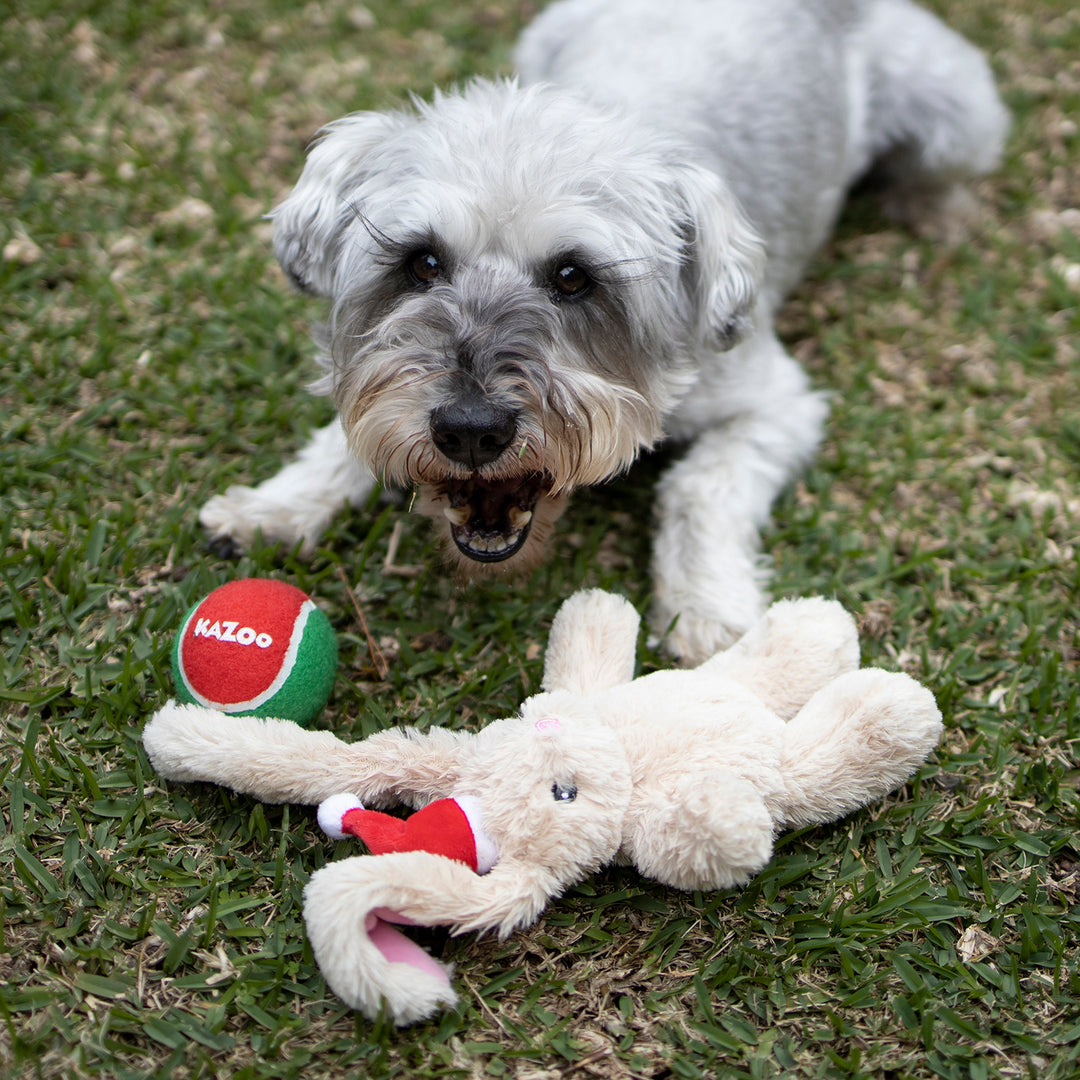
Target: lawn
[{"x": 152, "y": 353}]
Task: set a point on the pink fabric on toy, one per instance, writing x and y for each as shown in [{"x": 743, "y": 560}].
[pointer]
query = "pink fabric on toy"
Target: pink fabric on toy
[{"x": 395, "y": 947}]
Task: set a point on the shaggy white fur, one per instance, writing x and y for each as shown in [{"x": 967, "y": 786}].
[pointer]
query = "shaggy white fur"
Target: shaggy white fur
[{"x": 534, "y": 281}]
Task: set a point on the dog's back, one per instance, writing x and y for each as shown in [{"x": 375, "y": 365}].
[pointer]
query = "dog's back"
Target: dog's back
[{"x": 790, "y": 102}]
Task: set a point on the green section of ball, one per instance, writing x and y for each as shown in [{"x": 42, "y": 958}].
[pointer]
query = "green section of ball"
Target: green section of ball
[
  {"x": 307, "y": 689},
  {"x": 179, "y": 685}
]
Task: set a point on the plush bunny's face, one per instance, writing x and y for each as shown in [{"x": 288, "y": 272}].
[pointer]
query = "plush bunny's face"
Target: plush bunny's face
[{"x": 554, "y": 785}]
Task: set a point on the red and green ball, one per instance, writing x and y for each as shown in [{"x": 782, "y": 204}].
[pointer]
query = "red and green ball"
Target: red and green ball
[{"x": 256, "y": 647}]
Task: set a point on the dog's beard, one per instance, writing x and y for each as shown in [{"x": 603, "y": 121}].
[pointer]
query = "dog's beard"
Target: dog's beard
[{"x": 574, "y": 427}]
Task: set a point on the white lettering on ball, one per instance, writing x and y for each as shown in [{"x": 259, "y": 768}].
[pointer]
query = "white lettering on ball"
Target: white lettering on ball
[{"x": 225, "y": 630}]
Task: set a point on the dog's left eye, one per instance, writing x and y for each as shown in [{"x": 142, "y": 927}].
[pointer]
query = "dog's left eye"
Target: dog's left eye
[
  {"x": 423, "y": 268},
  {"x": 563, "y": 792},
  {"x": 571, "y": 281}
]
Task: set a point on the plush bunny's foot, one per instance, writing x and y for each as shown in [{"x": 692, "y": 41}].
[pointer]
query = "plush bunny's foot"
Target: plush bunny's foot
[
  {"x": 795, "y": 648},
  {"x": 712, "y": 832},
  {"x": 856, "y": 740}
]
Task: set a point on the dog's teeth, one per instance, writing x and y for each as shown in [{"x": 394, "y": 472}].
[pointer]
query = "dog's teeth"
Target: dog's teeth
[
  {"x": 456, "y": 515},
  {"x": 519, "y": 518},
  {"x": 490, "y": 545}
]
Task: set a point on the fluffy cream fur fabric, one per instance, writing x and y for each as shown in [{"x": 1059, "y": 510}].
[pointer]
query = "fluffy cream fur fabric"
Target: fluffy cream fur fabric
[{"x": 686, "y": 774}]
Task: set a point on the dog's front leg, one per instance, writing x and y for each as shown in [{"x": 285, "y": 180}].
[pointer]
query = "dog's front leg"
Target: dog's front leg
[
  {"x": 296, "y": 505},
  {"x": 707, "y": 569}
]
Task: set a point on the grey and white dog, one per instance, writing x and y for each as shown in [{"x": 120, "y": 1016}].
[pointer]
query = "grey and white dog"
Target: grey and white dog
[{"x": 533, "y": 281}]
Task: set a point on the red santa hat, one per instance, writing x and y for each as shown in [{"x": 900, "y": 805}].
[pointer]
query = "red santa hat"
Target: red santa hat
[{"x": 448, "y": 827}]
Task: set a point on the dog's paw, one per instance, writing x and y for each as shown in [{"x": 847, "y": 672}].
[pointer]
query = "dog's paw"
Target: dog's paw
[
  {"x": 241, "y": 514},
  {"x": 694, "y": 618},
  {"x": 694, "y": 637},
  {"x": 948, "y": 214}
]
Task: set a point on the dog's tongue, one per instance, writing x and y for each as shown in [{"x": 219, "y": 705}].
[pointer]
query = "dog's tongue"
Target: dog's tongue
[{"x": 490, "y": 521}]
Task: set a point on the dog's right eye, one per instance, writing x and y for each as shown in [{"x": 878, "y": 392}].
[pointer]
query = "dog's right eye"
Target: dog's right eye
[
  {"x": 571, "y": 282},
  {"x": 423, "y": 268}
]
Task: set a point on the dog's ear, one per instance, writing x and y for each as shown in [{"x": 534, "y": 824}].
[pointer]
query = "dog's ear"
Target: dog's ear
[
  {"x": 310, "y": 226},
  {"x": 725, "y": 256}
]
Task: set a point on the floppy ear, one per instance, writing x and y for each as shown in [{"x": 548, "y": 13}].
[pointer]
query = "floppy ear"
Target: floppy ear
[
  {"x": 310, "y": 225},
  {"x": 725, "y": 256},
  {"x": 352, "y": 909}
]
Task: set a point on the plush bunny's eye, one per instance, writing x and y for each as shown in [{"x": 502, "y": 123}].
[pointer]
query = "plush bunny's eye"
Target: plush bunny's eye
[{"x": 563, "y": 792}]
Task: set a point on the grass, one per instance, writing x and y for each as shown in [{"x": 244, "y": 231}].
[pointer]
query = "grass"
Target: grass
[{"x": 152, "y": 353}]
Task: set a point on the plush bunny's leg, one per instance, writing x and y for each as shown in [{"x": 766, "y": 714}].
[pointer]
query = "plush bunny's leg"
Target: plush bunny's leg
[
  {"x": 796, "y": 648},
  {"x": 279, "y": 761},
  {"x": 856, "y": 740},
  {"x": 709, "y": 831},
  {"x": 352, "y": 909},
  {"x": 592, "y": 644}
]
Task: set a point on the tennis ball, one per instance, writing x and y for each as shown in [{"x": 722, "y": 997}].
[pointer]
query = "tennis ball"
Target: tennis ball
[{"x": 256, "y": 647}]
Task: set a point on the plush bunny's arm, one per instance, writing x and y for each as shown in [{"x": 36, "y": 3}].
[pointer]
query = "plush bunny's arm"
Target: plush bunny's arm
[
  {"x": 278, "y": 761},
  {"x": 352, "y": 909}
]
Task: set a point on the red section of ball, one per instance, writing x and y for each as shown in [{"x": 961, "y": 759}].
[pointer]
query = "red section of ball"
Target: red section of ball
[{"x": 235, "y": 642}]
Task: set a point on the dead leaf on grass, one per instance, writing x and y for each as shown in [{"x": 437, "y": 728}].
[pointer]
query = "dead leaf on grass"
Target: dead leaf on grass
[{"x": 976, "y": 944}]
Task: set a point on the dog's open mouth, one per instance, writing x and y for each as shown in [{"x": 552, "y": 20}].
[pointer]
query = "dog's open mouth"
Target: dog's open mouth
[{"x": 490, "y": 519}]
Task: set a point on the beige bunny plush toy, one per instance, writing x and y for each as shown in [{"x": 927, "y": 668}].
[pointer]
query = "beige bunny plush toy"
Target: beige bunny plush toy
[{"x": 686, "y": 774}]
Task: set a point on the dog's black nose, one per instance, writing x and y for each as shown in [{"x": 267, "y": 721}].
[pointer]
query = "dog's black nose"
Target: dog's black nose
[{"x": 473, "y": 432}]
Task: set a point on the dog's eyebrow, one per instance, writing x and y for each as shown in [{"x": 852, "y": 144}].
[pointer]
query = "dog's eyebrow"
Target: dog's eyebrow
[
  {"x": 626, "y": 277},
  {"x": 394, "y": 247},
  {"x": 604, "y": 272}
]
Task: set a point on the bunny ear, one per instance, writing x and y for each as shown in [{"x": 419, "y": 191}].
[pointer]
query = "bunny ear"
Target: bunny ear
[
  {"x": 592, "y": 644},
  {"x": 274, "y": 760},
  {"x": 353, "y": 909}
]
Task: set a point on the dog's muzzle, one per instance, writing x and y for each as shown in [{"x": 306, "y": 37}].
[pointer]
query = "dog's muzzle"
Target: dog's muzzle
[{"x": 489, "y": 519}]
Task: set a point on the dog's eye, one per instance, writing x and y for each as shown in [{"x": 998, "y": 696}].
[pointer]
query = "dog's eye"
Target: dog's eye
[
  {"x": 563, "y": 792},
  {"x": 571, "y": 281},
  {"x": 423, "y": 268}
]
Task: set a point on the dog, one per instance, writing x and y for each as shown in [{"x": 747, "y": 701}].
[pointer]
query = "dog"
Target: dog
[{"x": 533, "y": 281}]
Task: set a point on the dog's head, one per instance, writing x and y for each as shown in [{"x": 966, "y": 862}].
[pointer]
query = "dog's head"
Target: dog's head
[{"x": 522, "y": 287}]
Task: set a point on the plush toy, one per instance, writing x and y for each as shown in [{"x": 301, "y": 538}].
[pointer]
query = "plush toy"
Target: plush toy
[
  {"x": 686, "y": 774},
  {"x": 256, "y": 646}
]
